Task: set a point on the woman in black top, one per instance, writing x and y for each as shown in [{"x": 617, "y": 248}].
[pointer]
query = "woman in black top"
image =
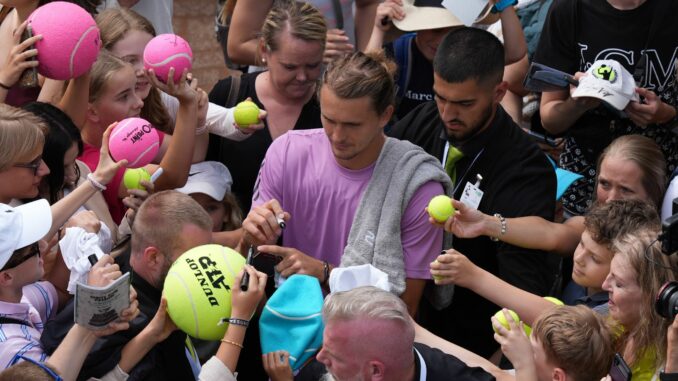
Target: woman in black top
[{"x": 291, "y": 45}]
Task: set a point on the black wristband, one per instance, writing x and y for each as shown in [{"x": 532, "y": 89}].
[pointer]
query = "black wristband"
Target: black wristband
[
  {"x": 326, "y": 273},
  {"x": 240, "y": 322},
  {"x": 668, "y": 376}
]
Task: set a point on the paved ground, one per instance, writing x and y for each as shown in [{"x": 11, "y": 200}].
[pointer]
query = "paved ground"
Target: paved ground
[{"x": 194, "y": 21}]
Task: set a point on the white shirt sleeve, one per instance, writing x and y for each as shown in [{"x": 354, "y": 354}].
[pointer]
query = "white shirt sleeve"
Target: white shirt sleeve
[
  {"x": 215, "y": 370},
  {"x": 219, "y": 119}
]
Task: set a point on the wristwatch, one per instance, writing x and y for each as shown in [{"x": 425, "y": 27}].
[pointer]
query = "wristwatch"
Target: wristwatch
[{"x": 503, "y": 4}]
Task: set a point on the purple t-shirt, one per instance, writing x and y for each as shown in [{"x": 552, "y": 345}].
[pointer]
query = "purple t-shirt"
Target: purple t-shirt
[
  {"x": 38, "y": 304},
  {"x": 322, "y": 198}
]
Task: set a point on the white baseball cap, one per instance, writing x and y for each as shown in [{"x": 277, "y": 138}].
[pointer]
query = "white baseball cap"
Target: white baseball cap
[
  {"x": 608, "y": 81},
  {"x": 209, "y": 177},
  {"x": 21, "y": 226}
]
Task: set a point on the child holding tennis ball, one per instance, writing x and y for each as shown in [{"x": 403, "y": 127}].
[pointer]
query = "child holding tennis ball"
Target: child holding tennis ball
[
  {"x": 604, "y": 223},
  {"x": 567, "y": 343}
]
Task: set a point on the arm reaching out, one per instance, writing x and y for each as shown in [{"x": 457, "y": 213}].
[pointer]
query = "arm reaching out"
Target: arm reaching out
[
  {"x": 530, "y": 232},
  {"x": 516, "y": 346},
  {"x": 454, "y": 268}
]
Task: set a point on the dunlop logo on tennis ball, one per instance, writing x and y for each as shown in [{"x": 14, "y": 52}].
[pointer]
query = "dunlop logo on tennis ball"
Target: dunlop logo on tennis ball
[{"x": 209, "y": 277}]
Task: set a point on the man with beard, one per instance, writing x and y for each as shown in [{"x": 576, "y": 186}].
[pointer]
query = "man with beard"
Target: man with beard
[
  {"x": 369, "y": 336},
  {"x": 166, "y": 225},
  {"x": 479, "y": 144}
]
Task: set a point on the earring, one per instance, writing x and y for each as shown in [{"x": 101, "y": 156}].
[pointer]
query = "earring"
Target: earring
[{"x": 263, "y": 60}]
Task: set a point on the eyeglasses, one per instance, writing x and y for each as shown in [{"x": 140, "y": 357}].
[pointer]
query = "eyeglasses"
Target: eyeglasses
[
  {"x": 16, "y": 259},
  {"x": 34, "y": 165},
  {"x": 42, "y": 366}
]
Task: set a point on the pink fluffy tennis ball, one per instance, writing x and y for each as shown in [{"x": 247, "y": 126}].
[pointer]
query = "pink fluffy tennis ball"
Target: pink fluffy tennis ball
[
  {"x": 70, "y": 40},
  {"x": 134, "y": 139},
  {"x": 166, "y": 51}
]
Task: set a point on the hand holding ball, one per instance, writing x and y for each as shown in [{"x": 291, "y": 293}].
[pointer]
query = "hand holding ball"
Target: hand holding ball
[
  {"x": 502, "y": 320},
  {"x": 440, "y": 208},
  {"x": 70, "y": 40},
  {"x": 133, "y": 176},
  {"x": 246, "y": 113},
  {"x": 136, "y": 140},
  {"x": 167, "y": 51}
]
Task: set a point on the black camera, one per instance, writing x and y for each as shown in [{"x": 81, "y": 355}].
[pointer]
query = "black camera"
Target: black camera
[
  {"x": 669, "y": 235},
  {"x": 666, "y": 303}
]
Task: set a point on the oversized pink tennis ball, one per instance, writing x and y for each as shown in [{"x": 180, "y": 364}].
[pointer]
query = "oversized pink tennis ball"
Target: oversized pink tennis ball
[
  {"x": 70, "y": 39},
  {"x": 134, "y": 139},
  {"x": 165, "y": 51}
]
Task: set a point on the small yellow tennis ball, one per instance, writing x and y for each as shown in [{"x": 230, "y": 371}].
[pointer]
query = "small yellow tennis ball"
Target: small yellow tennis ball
[
  {"x": 440, "y": 208},
  {"x": 436, "y": 278},
  {"x": 246, "y": 113},
  {"x": 502, "y": 319},
  {"x": 133, "y": 176},
  {"x": 555, "y": 301}
]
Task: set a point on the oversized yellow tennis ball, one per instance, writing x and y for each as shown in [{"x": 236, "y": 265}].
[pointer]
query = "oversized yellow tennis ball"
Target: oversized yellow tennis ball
[
  {"x": 198, "y": 290},
  {"x": 246, "y": 113},
  {"x": 133, "y": 176},
  {"x": 440, "y": 208}
]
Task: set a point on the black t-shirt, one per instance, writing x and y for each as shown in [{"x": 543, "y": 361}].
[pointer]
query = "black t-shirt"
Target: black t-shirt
[
  {"x": 440, "y": 366},
  {"x": 579, "y": 32},
  {"x": 517, "y": 181},
  {"x": 244, "y": 158},
  {"x": 420, "y": 86}
]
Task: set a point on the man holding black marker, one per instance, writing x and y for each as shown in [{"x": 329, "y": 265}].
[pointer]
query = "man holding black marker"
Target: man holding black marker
[{"x": 347, "y": 194}]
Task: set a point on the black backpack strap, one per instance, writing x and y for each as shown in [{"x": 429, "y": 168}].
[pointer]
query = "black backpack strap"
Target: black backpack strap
[
  {"x": 233, "y": 91},
  {"x": 9, "y": 320}
]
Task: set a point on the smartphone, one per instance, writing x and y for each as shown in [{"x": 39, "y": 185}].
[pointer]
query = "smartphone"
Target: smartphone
[
  {"x": 265, "y": 262},
  {"x": 29, "y": 78},
  {"x": 541, "y": 138},
  {"x": 620, "y": 371}
]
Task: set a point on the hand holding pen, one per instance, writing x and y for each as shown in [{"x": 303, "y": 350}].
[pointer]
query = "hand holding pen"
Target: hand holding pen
[
  {"x": 251, "y": 254},
  {"x": 265, "y": 223}
]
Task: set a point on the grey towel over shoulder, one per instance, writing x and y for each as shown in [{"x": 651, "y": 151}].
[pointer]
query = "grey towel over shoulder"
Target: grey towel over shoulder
[{"x": 401, "y": 169}]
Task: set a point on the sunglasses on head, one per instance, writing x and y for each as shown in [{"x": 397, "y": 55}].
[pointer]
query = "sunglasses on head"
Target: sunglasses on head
[
  {"x": 42, "y": 366},
  {"x": 20, "y": 256},
  {"x": 34, "y": 165}
]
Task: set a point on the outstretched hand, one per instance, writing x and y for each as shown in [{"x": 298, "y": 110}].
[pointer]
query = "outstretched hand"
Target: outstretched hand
[
  {"x": 161, "y": 326},
  {"x": 651, "y": 110},
  {"x": 261, "y": 225},
  {"x": 294, "y": 261},
  {"x": 277, "y": 366},
  {"x": 452, "y": 267},
  {"x": 466, "y": 222},
  {"x": 244, "y": 303},
  {"x": 107, "y": 167},
  {"x": 387, "y": 11},
  {"x": 514, "y": 342},
  {"x": 19, "y": 57}
]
